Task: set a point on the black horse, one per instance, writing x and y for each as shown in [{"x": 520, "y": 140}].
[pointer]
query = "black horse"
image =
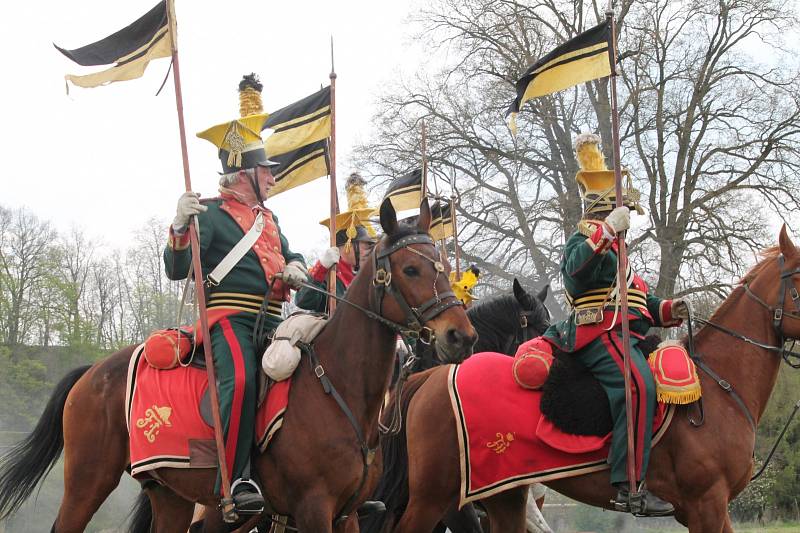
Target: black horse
[{"x": 502, "y": 323}]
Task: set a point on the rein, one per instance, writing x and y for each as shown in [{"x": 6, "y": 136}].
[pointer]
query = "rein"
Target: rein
[
  {"x": 778, "y": 314},
  {"x": 414, "y": 328}
]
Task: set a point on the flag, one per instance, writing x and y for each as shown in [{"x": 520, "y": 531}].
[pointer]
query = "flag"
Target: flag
[
  {"x": 441, "y": 221},
  {"x": 130, "y": 49},
  {"x": 298, "y": 124},
  {"x": 581, "y": 59},
  {"x": 405, "y": 192},
  {"x": 300, "y": 166}
]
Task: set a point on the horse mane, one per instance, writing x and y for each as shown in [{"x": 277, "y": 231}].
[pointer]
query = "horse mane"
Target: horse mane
[
  {"x": 768, "y": 256},
  {"x": 495, "y": 312}
]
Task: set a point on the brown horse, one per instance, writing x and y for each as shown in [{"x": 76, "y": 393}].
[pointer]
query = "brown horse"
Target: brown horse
[
  {"x": 699, "y": 468},
  {"x": 316, "y": 468}
]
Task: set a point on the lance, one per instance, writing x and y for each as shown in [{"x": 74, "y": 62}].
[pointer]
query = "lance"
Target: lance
[
  {"x": 227, "y": 505},
  {"x": 334, "y": 194},
  {"x": 456, "y": 249},
  {"x": 622, "y": 257},
  {"x": 423, "y": 151}
]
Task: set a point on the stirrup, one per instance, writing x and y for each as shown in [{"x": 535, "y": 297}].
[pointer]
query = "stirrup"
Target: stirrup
[
  {"x": 641, "y": 503},
  {"x": 249, "y": 500}
]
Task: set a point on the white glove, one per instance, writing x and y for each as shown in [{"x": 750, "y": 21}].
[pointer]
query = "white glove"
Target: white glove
[
  {"x": 681, "y": 308},
  {"x": 329, "y": 257},
  {"x": 619, "y": 219},
  {"x": 188, "y": 205},
  {"x": 293, "y": 274}
]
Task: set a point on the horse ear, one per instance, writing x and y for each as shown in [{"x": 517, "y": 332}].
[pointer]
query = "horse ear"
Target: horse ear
[
  {"x": 542, "y": 294},
  {"x": 424, "y": 220},
  {"x": 519, "y": 292},
  {"x": 388, "y": 217},
  {"x": 788, "y": 249}
]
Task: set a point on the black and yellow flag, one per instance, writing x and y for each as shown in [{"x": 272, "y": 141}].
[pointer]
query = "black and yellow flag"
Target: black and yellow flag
[
  {"x": 300, "y": 166},
  {"x": 581, "y": 59},
  {"x": 298, "y": 124},
  {"x": 441, "y": 221},
  {"x": 130, "y": 49},
  {"x": 405, "y": 192}
]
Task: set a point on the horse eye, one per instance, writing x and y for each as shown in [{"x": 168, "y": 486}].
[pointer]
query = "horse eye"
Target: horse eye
[{"x": 411, "y": 271}]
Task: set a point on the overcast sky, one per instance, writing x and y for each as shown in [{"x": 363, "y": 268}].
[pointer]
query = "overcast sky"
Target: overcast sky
[{"x": 107, "y": 159}]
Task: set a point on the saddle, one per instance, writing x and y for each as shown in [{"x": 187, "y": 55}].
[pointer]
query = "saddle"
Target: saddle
[{"x": 575, "y": 402}]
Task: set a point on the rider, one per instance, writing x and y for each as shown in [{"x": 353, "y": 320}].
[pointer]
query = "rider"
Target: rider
[
  {"x": 234, "y": 300},
  {"x": 592, "y": 332},
  {"x": 354, "y": 242}
]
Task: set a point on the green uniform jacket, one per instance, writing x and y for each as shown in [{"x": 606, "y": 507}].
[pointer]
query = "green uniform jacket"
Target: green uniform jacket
[
  {"x": 589, "y": 269},
  {"x": 219, "y": 233}
]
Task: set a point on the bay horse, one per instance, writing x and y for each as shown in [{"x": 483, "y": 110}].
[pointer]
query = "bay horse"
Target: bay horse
[
  {"x": 700, "y": 464},
  {"x": 502, "y": 323},
  {"x": 318, "y": 466}
]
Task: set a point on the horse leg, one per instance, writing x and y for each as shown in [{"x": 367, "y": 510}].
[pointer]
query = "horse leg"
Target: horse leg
[
  {"x": 171, "y": 513},
  {"x": 87, "y": 480},
  {"x": 709, "y": 514},
  {"x": 314, "y": 514},
  {"x": 506, "y": 510}
]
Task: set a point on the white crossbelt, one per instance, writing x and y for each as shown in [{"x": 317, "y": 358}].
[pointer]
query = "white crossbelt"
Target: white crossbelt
[{"x": 237, "y": 252}]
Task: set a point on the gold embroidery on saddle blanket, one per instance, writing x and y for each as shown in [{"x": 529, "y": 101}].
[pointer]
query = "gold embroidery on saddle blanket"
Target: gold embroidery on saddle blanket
[
  {"x": 155, "y": 418},
  {"x": 502, "y": 443}
]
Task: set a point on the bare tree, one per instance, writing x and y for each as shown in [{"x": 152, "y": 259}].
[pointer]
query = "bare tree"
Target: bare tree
[{"x": 707, "y": 131}]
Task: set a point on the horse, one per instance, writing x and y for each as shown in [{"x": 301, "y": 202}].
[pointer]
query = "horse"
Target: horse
[
  {"x": 704, "y": 459},
  {"x": 318, "y": 467},
  {"x": 502, "y": 323}
]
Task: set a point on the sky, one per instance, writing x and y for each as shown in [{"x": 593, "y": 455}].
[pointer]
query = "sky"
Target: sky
[{"x": 107, "y": 159}]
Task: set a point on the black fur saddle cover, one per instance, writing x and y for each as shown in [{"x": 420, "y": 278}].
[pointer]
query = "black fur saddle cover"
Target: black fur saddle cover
[{"x": 574, "y": 401}]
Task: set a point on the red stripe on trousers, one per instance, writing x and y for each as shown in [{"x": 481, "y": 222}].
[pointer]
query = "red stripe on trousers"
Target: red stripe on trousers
[
  {"x": 232, "y": 439},
  {"x": 639, "y": 390}
]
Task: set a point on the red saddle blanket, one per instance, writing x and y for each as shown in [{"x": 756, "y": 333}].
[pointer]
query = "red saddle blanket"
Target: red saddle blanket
[
  {"x": 165, "y": 425},
  {"x": 503, "y": 438}
]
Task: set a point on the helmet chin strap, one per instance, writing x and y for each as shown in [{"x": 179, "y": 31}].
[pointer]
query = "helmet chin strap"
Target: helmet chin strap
[
  {"x": 254, "y": 184},
  {"x": 357, "y": 253}
]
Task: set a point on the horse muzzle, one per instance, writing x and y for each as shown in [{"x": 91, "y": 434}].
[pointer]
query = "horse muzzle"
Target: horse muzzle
[{"x": 455, "y": 345}]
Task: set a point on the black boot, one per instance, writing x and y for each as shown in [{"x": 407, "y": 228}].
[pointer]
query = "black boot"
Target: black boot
[
  {"x": 642, "y": 503},
  {"x": 247, "y": 497}
]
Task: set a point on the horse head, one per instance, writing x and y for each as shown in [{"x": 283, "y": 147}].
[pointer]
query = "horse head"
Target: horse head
[
  {"x": 774, "y": 285},
  {"x": 411, "y": 285},
  {"x": 534, "y": 317}
]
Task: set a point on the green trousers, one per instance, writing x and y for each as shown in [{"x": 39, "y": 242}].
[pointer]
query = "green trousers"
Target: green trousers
[
  {"x": 237, "y": 364},
  {"x": 603, "y": 357}
]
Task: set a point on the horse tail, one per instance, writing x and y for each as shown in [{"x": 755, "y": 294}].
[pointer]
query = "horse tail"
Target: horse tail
[
  {"x": 28, "y": 462},
  {"x": 141, "y": 516},
  {"x": 392, "y": 487}
]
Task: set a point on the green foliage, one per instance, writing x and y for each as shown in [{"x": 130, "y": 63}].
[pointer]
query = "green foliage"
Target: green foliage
[{"x": 23, "y": 391}]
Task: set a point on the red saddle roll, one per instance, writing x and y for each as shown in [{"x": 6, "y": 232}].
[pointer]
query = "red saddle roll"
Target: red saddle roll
[
  {"x": 532, "y": 363},
  {"x": 166, "y": 348}
]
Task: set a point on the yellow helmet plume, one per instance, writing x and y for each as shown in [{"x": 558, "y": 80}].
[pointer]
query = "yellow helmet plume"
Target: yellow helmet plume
[{"x": 462, "y": 287}]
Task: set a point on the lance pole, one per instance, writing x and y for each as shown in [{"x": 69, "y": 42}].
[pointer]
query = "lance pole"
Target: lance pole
[
  {"x": 456, "y": 249},
  {"x": 334, "y": 195},
  {"x": 622, "y": 258},
  {"x": 423, "y": 150},
  {"x": 227, "y": 505}
]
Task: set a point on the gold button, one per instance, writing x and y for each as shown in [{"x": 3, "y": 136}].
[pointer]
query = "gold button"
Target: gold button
[
  {"x": 275, "y": 248},
  {"x": 263, "y": 259},
  {"x": 239, "y": 219}
]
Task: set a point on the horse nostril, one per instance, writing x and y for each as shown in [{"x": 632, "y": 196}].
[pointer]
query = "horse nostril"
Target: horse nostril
[{"x": 457, "y": 338}]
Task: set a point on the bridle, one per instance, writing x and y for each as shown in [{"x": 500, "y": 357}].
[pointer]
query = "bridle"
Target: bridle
[
  {"x": 521, "y": 335},
  {"x": 415, "y": 317},
  {"x": 413, "y": 328},
  {"x": 778, "y": 314}
]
